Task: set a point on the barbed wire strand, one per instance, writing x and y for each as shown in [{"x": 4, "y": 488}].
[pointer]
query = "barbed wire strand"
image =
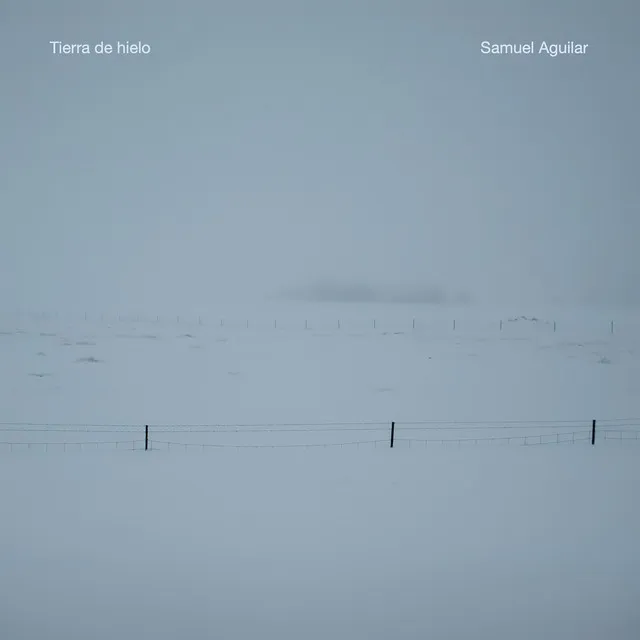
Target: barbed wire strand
[
  {"x": 86, "y": 443},
  {"x": 528, "y": 440},
  {"x": 178, "y": 429},
  {"x": 185, "y": 445},
  {"x": 184, "y": 425},
  {"x": 620, "y": 434},
  {"x": 319, "y": 426},
  {"x": 525, "y": 438},
  {"x": 482, "y": 427},
  {"x": 385, "y": 427}
]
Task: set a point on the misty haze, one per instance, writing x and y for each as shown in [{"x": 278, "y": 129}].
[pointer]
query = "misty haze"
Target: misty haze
[
  {"x": 317, "y": 321},
  {"x": 354, "y": 293}
]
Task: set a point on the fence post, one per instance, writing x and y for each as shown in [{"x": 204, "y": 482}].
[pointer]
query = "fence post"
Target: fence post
[
  {"x": 414, "y": 323},
  {"x": 612, "y": 326},
  {"x": 146, "y": 437},
  {"x": 500, "y": 325},
  {"x": 554, "y": 326},
  {"x": 393, "y": 429},
  {"x": 374, "y": 324},
  {"x": 454, "y": 325},
  {"x": 593, "y": 433}
]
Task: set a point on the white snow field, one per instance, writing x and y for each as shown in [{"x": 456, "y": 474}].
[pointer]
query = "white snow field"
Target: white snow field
[{"x": 270, "y": 504}]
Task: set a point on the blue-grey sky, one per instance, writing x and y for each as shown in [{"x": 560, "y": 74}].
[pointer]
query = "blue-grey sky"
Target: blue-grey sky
[{"x": 268, "y": 145}]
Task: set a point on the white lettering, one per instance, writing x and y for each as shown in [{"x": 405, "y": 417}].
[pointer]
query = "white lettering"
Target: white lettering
[
  {"x": 101, "y": 48},
  {"x": 59, "y": 47},
  {"x": 133, "y": 48},
  {"x": 553, "y": 50},
  {"x": 520, "y": 48}
]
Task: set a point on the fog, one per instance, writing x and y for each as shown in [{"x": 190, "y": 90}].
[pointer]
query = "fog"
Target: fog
[
  {"x": 376, "y": 544},
  {"x": 270, "y": 503},
  {"x": 262, "y": 149},
  {"x": 363, "y": 293},
  {"x": 201, "y": 438}
]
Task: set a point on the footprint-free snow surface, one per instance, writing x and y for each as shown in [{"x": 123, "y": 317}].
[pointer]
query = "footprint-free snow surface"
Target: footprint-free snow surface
[{"x": 269, "y": 503}]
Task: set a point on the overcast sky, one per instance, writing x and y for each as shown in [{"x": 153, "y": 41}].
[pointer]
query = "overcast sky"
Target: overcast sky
[{"x": 263, "y": 145}]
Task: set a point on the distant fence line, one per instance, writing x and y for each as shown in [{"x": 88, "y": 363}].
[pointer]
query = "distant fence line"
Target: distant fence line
[
  {"x": 205, "y": 320},
  {"x": 546, "y": 433}
]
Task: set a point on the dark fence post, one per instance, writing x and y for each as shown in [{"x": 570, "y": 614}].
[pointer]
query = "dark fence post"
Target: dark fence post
[
  {"x": 393, "y": 429},
  {"x": 500, "y": 325},
  {"x": 554, "y": 326},
  {"x": 146, "y": 437},
  {"x": 593, "y": 432},
  {"x": 454, "y": 325},
  {"x": 612, "y": 326}
]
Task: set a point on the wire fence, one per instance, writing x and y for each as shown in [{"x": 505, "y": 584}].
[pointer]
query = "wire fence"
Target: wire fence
[
  {"x": 131, "y": 445},
  {"x": 26, "y": 436},
  {"x": 394, "y": 322}
]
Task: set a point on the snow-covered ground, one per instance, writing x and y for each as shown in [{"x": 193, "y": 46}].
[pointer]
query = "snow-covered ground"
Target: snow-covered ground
[{"x": 458, "y": 532}]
